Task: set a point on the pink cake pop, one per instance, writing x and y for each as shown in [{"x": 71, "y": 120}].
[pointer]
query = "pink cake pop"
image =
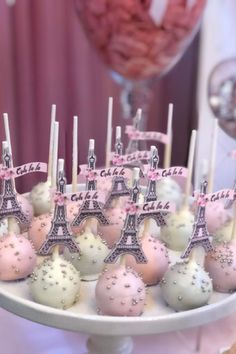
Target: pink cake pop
[
  {"x": 17, "y": 257},
  {"x": 157, "y": 260},
  {"x": 120, "y": 292}
]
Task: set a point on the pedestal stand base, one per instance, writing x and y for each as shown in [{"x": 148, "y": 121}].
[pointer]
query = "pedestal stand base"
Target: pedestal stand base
[{"x": 109, "y": 344}]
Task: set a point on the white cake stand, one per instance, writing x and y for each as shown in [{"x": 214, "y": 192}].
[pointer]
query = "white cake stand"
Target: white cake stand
[{"x": 111, "y": 335}]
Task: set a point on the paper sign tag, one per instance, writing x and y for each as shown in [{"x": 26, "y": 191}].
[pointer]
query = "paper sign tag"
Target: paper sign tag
[
  {"x": 156, "y": 206},
  {"x": 108, "y": 172},
  {"x": 86, "y": 195},
  {"x": 135, "y": 134},
  {"x": 135, "y": 156},
  {"x": 212, "y": 197},
  {"x": 19, "y": 171},
  {"x": 232, "y": 154},
  {"x": 166, "y": 172}
]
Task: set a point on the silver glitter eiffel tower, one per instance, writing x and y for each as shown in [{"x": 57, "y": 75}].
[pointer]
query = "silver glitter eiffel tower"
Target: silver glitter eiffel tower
[
  {"x": 151, "y": 195},
  {"x": 90, "y": 208},
  {"x": 119, "y": 188},
  {"x": 128, "y": 242},
  {"x": 9, "y": 206},
  {"x": 200, "y": 235},
  {"x": 60, "y": 232}
]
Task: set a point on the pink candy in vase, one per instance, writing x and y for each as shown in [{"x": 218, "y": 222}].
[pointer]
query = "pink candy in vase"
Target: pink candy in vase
[{"x": 138, "y": 39}]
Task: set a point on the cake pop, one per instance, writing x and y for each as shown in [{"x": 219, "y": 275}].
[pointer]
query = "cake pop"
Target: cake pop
[
  {"x": 120, "y": 291},
  {"x": 90, "y": 262},
  {"x": 186, "y": 284},
  {"x": 179, "y": 225},
  {"x": 40, "y": 195},
  {"x": 221, "y": 263},
  {"x": 17, "y": 257},
  {"x": 55, "y": 282}
]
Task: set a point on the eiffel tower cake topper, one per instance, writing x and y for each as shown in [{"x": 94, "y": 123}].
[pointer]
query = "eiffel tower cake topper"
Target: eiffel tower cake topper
[
  {"x": 200, "y": 235},
  {"x": 9, "y": 206},
  {"x": 128, "y": 242},
  {"x": 91, "y": 208},
  {"x": 151, "y": 195},
  {"x": 60, "y": 232},
  {"x": 119, "y": 188}
]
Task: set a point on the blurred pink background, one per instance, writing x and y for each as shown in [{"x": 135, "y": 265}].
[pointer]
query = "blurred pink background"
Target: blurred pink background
[{"x": 45, "y": 59}]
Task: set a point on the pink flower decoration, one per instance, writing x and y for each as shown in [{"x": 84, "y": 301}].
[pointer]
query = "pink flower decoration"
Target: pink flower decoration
[
  {"x": 117, "y": 160},
  {"x": 153, "y": 175},
  {"x": 131, "y": 208},
  {"x": 59, "y": 198},
  {"x": 90, "y": 174},
  {"x": 6, "y": 173},
  {"x": 201, "y": 200}
]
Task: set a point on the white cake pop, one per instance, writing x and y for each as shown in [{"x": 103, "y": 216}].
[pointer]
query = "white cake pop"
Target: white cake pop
[
  {"x": 169, "y": 190},
  {"x": 55, "y": 282},
  {"x": 178, "y": 229},
  {"x": 93, "y": 249},
  {"x": 186, "y": 286},
  {"x": 120, "y": 292}
]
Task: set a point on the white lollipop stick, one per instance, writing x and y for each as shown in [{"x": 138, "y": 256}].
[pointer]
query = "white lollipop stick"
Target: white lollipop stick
[
  {"x": 118, "y": 132},
  {"x": 50, "y": 153},
  {"x": 61, "y": 163},
  {"x": 190, "y": 168},
  {"x": 75, "y": 154},
  {"x": 213, "y": 157},
  {"x": 109, "y": 132},
  {"x": 7, "y": 134},
  {"x": 168, "y": 146},
  {"x": 55, "y": 154},
  {"x": 136, "y": 172}
]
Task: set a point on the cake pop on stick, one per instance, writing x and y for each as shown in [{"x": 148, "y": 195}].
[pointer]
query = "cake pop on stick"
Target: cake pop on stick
[
  {"x": 155, "y": 251},
  {"x": 93, "y": 249},
  {"x": 55, "y": 282},
  {"x": 119, "y": 290},
  {"x": 221, "y": 262},
  {"x": 109, "y": 131},
  {"x": 216, "y": 214},
  {"x": 179, "y": 225},
  {"x": 41, "y": 225},
  {"x": 186, "y": 285},
  {"x": 17, "y": 256},
  {"x": 40, "y": 195},
  {"x": 168, "y": 146}
]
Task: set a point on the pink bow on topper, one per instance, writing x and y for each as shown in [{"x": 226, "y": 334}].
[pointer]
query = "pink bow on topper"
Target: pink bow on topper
[
  {"x": 59, "y": 198},
  {"x": 90, "y": 174},
  {"x": 153, "y": 174},
  {"x": 131, "y": 208},
  {"x": 6, "y": 173},
  {"x": 201, "y": 200},
  {"x": 117, "y": 160}
]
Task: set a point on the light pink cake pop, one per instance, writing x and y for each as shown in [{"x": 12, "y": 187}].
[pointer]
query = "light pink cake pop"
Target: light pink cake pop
[
  {"x": 120, "y": 292},
  {"x": 17, "y": 257},
  {"x": 157, "y": 260},
  {"x": 112, "y": 232},
  {"x": 221, "y": 265},
  {"x": 216, "y": 216}
]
